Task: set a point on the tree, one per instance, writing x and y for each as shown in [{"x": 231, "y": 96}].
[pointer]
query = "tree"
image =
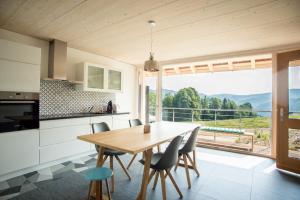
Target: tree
[
  {"x": 205, "y": 105},
  {"x": 215, "y": 103},
  {"x": 152, "y": 103},
  {"x": 186, "y": 98},
  {"x": 168, "y": 103},
  {"x": 247, "y": 107},
  {"x": 232, "y": 106}
]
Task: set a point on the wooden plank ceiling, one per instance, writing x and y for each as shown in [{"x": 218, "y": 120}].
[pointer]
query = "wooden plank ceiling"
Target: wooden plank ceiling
[
  {"x": 221, "y": 65},
  {"x": 185, "y": 28}
]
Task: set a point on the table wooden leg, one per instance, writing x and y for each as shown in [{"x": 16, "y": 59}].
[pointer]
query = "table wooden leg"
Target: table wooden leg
[
  {"x": 96, "y": 186},
  {"x": 143, "y": 191}
]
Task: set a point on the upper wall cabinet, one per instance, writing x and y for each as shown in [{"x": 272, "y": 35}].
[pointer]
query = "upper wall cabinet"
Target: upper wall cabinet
[
  {"x": 98, "y": 78},
  {"x": 19, "y": 67}
]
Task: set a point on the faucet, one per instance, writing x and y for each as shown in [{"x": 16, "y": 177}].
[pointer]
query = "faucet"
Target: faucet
[{"x": 90, "y": 108}]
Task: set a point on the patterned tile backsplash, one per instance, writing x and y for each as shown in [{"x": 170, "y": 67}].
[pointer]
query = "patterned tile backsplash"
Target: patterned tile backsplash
[{"x": 60, "y": 97}]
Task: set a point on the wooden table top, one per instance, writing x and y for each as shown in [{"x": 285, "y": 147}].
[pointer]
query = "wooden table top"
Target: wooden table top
[{"x": 133, "y": 140}]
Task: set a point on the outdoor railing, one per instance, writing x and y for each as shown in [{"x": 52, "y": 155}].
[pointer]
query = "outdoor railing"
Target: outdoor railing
[{"x": 255, "y": 122}]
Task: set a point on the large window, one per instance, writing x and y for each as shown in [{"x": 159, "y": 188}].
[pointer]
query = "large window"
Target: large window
[{"x": 234, "y": 108}]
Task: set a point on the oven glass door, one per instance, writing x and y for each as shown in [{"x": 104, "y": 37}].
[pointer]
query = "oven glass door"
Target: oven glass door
[{"x": 18, "y": 115}]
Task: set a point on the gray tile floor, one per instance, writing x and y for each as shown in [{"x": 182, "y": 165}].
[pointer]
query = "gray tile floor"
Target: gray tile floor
[{"x": 224, "y": 175}]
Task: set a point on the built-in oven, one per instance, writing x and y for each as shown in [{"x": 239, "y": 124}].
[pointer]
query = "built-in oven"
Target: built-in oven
[{"x": 19, "y": 111}]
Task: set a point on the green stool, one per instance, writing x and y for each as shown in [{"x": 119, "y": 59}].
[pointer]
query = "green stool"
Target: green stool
[{"x": 98, "y": 174}]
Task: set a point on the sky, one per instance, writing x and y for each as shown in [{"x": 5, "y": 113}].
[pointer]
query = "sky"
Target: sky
[{"x": 235, "y": 82}]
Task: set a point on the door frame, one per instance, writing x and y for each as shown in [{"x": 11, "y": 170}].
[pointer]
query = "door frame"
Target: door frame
[{"x": 281, "y": 111}]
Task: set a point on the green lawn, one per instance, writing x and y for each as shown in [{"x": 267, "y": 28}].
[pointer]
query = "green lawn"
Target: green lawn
[{"x": 244, "y": 123}]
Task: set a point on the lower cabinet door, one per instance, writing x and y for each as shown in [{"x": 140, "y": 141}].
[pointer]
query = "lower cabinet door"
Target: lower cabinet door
[
  {"x": 63, "y": 150},
  {"x": 120, "y": 121},
  {"x": 18, "y": 150}
]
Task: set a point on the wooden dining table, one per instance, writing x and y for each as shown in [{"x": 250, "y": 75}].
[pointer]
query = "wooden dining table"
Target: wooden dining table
[{"x": 133, "y": 140}]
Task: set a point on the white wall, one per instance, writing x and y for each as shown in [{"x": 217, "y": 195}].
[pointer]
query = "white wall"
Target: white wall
[{"x": 127, "y": 100}]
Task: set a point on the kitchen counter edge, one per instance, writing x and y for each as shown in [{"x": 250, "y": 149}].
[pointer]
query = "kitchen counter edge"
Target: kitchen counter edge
[{"x": 79, "y": 115}]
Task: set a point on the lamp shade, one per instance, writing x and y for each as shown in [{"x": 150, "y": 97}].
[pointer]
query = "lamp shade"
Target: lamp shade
[{"x": 151, "y": 65}]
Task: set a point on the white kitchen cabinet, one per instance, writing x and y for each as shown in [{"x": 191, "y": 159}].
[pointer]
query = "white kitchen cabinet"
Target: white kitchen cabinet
[
  {"x": 19, "y": 67},
  {"x": 19, "y": 52},
  {"x": 63, "y": 150},
  {"x": 18, "y": 150},
  {"x": 107, "y": 119},
  {"x": 62, "y": 134},
  {"x": 121, "y": 121},
  {"x": 99, "y": 78},
  {"x": 58, "y": 138},
  {"x": 48, "y": 124},
  {"x": 19, "y": 77}
]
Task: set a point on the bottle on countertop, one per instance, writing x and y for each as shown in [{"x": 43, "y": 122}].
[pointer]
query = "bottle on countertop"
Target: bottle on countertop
[{"x": 109, "y": 107}]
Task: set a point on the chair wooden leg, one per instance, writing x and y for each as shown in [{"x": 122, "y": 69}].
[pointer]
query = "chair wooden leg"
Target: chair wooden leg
[
  {"x": 107, "y": 188},
  {"x": 90, "y": 188},
  {"x": 105, "y": 157},
  {"x": 187, "y": 171},
  {"x": 124, "y": 169},
  {"x": 155, "y": 180},
  {"x": 151, "y": 175},
  {"x": 194, "y": 156},
  {"x": 99, "y": 190},
  {"x": 174, "y": 183},
  {"x": 193, "y": 164},
  {"x": 131, "y": 161},
  {"x": 158, "y": 148},
  {"x": 111, "y": 165},
  {"x": 163, "y": 184}
]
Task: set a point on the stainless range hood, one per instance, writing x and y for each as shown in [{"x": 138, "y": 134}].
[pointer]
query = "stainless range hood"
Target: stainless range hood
[{"x": 57, "y": 60}]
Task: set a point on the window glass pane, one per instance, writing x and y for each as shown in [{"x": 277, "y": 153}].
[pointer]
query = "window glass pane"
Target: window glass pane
[
  {"x": 294, "y": 89},
  {"x": 114, "y": 80},
  {"x": 151, "y": 81},
  {"x": 294, "y": 143},
  {"x": 95, "y": 77}
]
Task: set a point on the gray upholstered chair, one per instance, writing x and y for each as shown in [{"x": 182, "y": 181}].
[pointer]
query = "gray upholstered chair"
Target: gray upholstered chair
[
  {"x": 183, "y": 153},
  {"x": 102, "y": 127},
  {"x": 161, "y": 164}
]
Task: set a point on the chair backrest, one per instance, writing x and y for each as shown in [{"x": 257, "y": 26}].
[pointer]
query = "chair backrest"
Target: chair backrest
[
  {"x": 135, "y": 122},
  {"x": 99, "y": 127},
  {"x": 191, "y": 142},
  {"x": 169, "y": 159}
]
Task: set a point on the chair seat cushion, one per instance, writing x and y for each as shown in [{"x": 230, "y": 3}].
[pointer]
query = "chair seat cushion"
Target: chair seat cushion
[
  {"x": 154, "y": 160},
  {"x": 112, "y": 152},
  {"x": 97, "y": 173}
]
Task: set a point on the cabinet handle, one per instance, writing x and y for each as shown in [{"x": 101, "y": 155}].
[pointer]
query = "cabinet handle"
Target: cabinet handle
[{"x": 281, "y": 112}]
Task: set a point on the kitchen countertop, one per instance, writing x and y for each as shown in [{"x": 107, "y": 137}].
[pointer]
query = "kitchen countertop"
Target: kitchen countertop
[{"x": 77, "y": 115}]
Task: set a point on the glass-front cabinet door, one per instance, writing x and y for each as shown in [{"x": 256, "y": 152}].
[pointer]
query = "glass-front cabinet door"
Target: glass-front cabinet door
[
  {"x": 95, "y": 77},
  {"x": 114, "y": 80}
]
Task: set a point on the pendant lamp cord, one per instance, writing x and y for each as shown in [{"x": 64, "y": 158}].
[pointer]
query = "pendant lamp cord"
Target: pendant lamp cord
[{"x": 151, "y": 27}]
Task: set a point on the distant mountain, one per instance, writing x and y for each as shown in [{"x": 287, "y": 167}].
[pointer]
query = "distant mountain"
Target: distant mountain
[
  {"x": 166, "y": 91},
  {"x": 262, "y": 101}
]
